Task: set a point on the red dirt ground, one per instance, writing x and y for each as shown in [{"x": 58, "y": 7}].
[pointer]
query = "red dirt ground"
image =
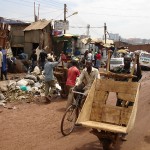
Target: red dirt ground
[{"x": 36, "y": 126}]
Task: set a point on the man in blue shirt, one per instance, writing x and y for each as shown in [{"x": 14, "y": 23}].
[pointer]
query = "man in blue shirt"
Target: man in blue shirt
[
  {"x": 77, "y": 52},
  {"x": 4, "y": 65},
  {"x": 49, "y": 77}
]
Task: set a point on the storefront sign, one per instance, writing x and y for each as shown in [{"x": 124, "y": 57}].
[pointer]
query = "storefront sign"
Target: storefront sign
[{"x": 61, "y": 25}]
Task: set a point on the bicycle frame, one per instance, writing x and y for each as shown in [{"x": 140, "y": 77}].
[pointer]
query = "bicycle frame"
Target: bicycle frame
[{"x": 79, "y": 98}]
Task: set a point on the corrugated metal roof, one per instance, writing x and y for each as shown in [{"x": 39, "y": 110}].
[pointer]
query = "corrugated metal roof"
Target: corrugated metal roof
[
  {"x": 12, "y": 21},
  {"x": 41, "y": 24}
]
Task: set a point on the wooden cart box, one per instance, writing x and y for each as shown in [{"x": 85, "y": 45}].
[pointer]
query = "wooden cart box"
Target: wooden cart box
[{"x": 98, "y": 114}]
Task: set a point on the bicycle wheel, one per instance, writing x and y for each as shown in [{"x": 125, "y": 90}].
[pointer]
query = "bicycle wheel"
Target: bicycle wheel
[{"x": 68, "y": 120}]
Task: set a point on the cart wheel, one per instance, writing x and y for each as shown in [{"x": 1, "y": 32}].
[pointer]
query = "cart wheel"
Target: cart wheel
[
  {"x": 106, "y": 143},
  {"x": 68, "y": 120}
]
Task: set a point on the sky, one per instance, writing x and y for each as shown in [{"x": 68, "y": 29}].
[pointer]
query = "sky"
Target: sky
[{"x": 129, "y": 19}]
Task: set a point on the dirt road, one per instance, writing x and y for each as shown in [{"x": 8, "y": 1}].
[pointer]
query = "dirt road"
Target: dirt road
[{"x": 36, "y": 126}]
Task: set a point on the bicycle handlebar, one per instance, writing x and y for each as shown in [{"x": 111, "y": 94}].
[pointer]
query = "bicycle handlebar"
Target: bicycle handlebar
[{"x": 77, "y": 92}]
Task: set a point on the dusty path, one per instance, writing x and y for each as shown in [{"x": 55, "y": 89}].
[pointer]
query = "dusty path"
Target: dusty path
[{"x": 37, "y": 127}]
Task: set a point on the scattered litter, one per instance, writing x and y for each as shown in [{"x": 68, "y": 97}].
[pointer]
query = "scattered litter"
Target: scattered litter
[{"x": 23, "y": 88}]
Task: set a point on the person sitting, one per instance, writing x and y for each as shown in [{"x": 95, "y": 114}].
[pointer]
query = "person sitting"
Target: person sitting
[{"x": 85, "y": 80}]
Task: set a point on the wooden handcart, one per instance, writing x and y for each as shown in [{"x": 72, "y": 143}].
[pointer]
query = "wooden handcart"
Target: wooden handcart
[
  {"x": 107, "y": 120},
  {"x": 60, "y": 73}
]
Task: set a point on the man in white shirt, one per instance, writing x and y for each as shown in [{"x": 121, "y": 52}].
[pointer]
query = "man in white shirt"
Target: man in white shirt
[
  {"x": 87, "y": 76},
  {"x": 89, "y": 56},
  {"x": 85, "y": 80}
]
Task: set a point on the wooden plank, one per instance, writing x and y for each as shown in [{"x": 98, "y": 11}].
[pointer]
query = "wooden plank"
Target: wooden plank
[
  {"x": 86, "y": 109},
  {"x": 126, "y": 97},
  {"x": 116, "y": 75},
  {"x": 100, "y": 98},
  {"x": 125, "y": 115},
  {"x": 133, "y": 113},
  {"x": 111, "y": 114},
  {"x": 96, "y": 112},
  {"x": 116, "y": 86},
  {"x": 104, "y": 126}
]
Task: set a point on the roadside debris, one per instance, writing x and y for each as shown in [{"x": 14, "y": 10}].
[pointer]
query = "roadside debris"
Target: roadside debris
[{"x": 22, "y": 89}]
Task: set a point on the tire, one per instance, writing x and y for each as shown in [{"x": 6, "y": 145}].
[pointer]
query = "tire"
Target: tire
[
  {"x": 68, "y": 120},
  {"x": 106, "y": 144}
]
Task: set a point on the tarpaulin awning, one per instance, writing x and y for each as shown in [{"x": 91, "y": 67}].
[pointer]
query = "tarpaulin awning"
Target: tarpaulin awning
[
  {"x": 70, "y": 35},
  {"x": 91, "y": 40},
  {"x": 108, "y": 41},
  {"x": 122, "y": 51},
  {"x": 67, "y": 35},
  {"x": 86, "y": 40}
]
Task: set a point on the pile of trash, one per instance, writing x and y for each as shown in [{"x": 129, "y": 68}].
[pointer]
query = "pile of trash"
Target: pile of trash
[{"x": 25, "y": 88}]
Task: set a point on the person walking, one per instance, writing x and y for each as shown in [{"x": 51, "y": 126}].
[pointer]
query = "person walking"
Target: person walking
[{"x": 49, "y": 78}]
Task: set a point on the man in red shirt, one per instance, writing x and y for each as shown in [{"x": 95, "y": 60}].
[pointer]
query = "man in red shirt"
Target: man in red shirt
[
  {"x": 63, "y": 57},
  {"x": 98, "y": 60},
  {"x": 73, "y": 73}
]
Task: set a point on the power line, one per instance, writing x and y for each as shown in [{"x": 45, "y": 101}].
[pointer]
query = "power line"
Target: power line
[
  {"x": 17, "y": 3},
  {"x": 40, "y": 13},
  {"x": 85, "y": 27},
  {"x": 59, "y": 15},
  {"x": 30, "y": 4}
]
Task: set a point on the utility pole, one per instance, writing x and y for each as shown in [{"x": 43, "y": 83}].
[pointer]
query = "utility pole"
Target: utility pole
[
  {"x": 88, "y": 30},
  {"x": 105, "y": 31},
  {"x": 34, "y": 13},
  {"x": 65, "y": 10},
  {"x": 38, "y": 12}
]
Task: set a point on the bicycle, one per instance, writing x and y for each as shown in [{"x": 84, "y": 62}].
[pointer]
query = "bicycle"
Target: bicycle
[{"x": 71, "y": 114}]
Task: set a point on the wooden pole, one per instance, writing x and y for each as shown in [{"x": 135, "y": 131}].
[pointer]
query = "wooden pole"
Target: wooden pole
[
  {"x": 108, "y": 60},
  {"x": 65, "y": 10},
  {"x": 105, "y": 30}
]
